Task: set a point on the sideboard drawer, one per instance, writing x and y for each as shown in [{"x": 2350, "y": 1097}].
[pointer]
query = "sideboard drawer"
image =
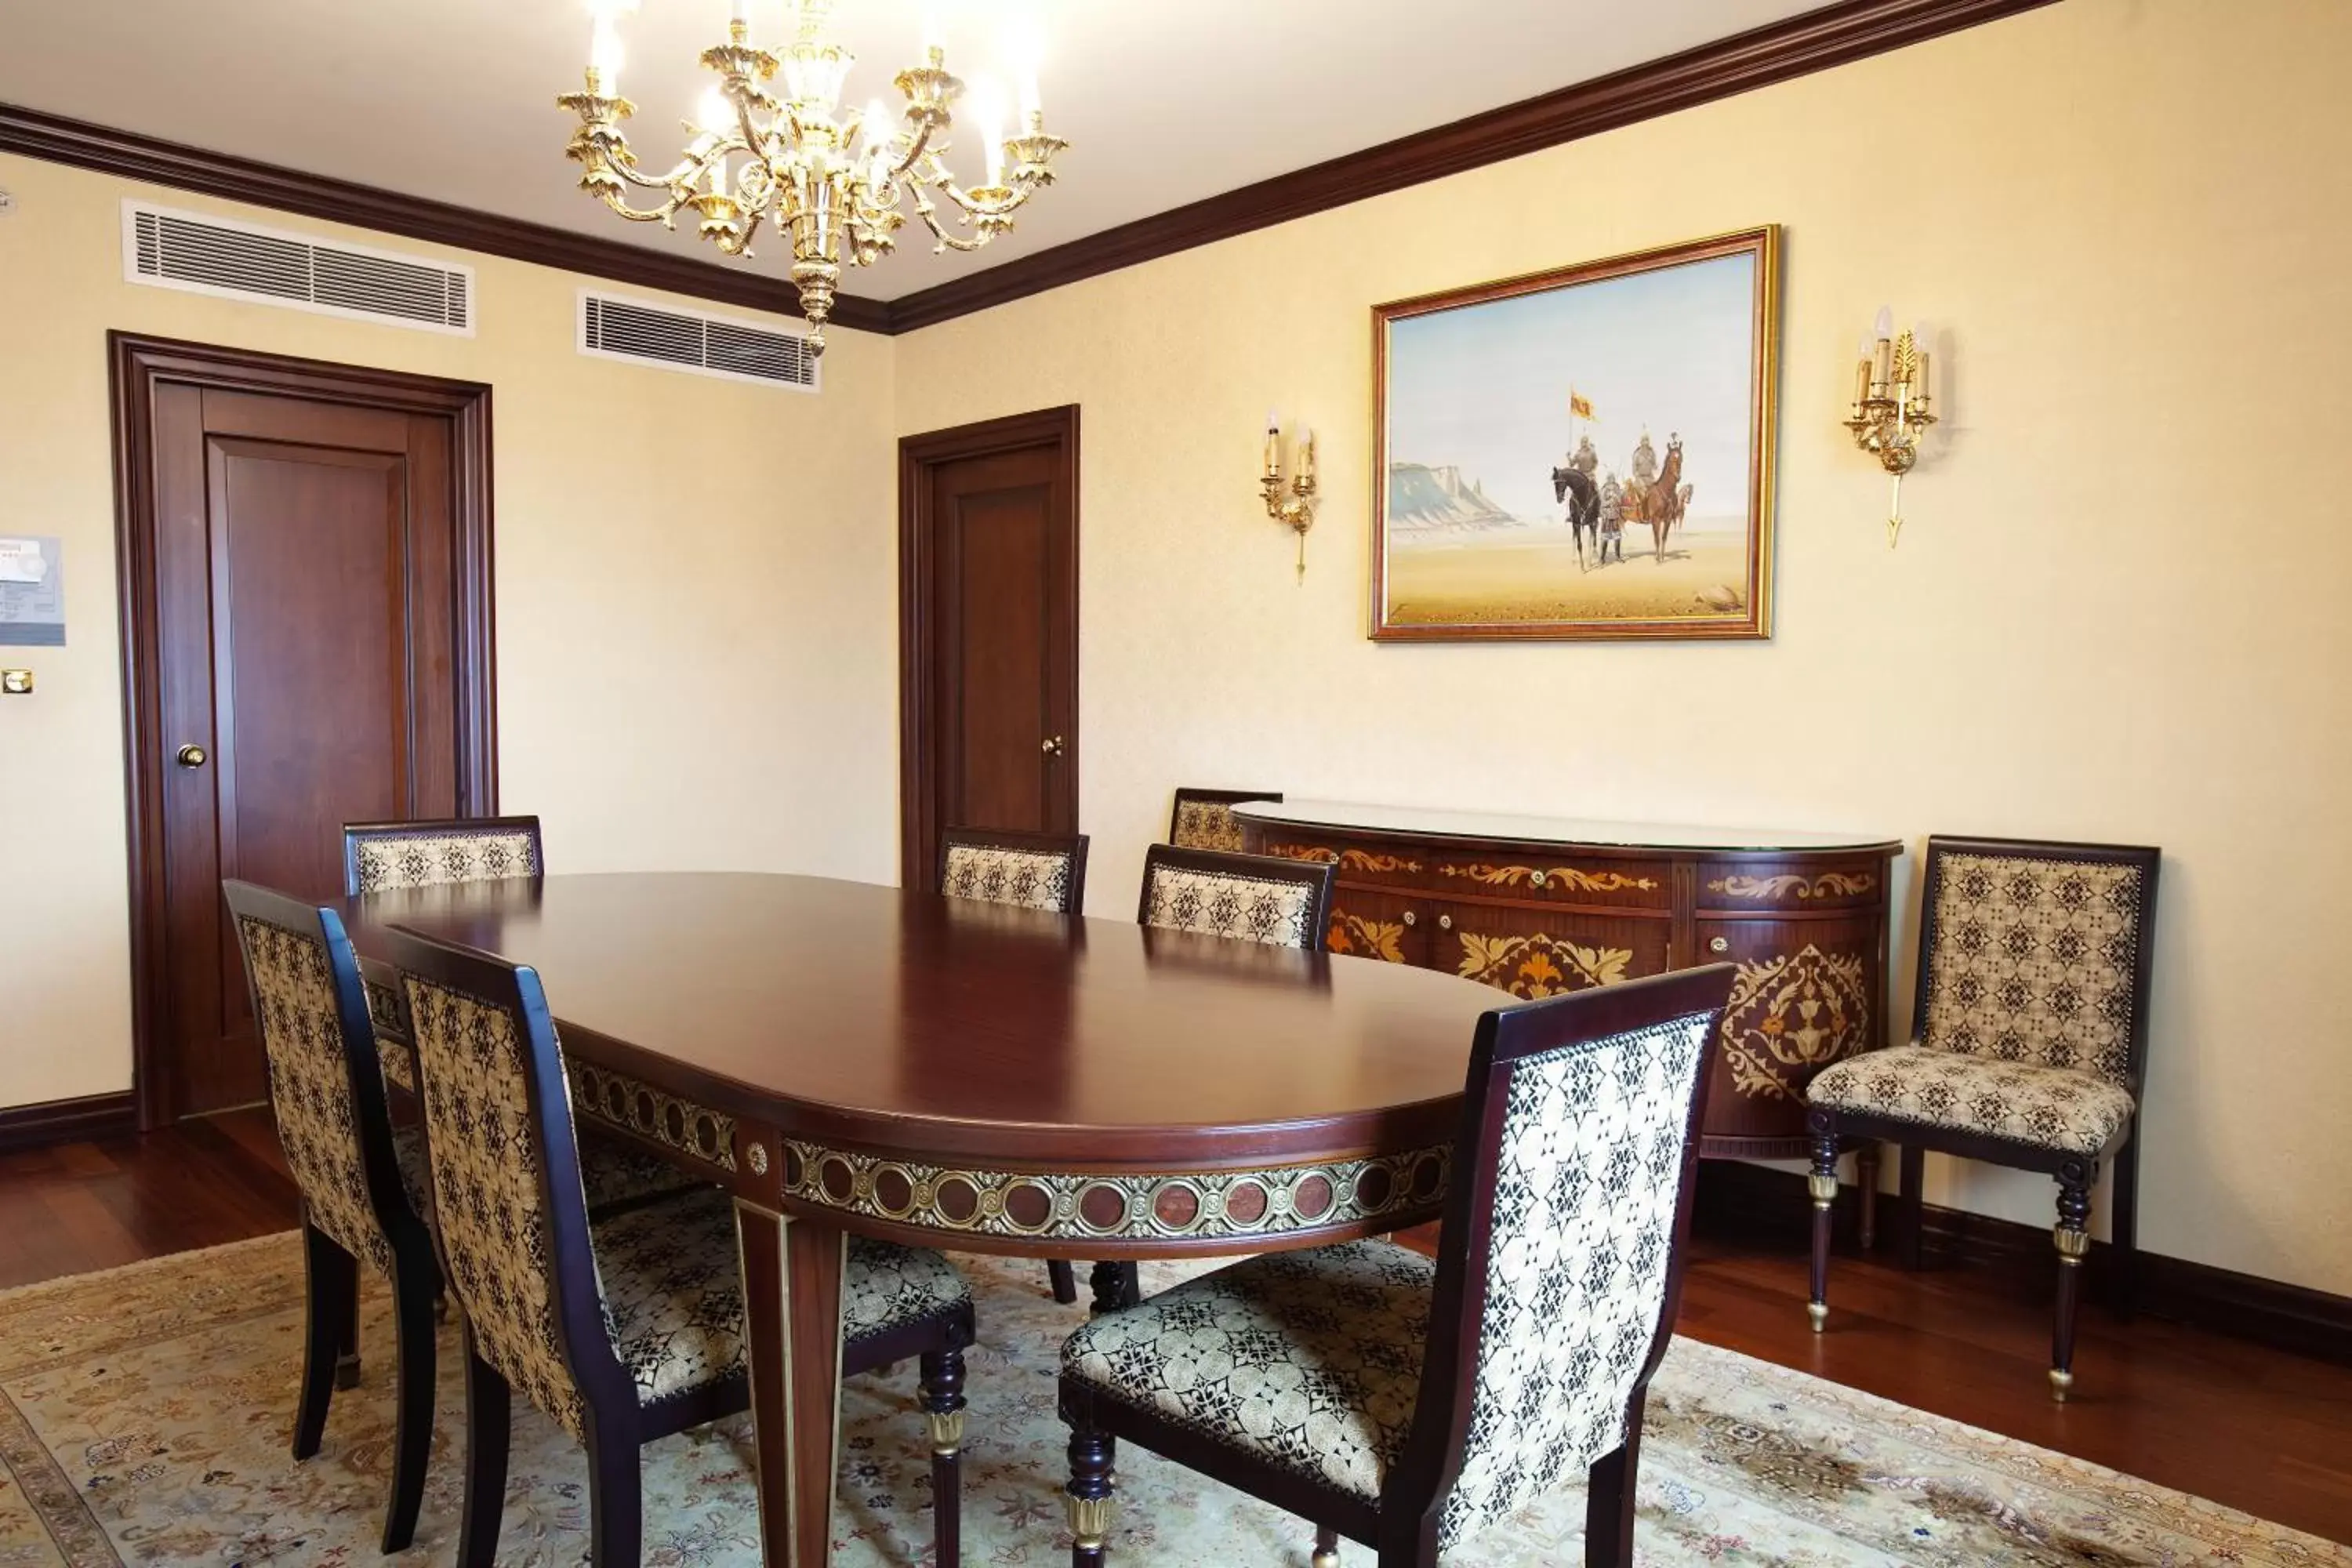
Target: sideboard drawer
[
  {"x": 1766, "y": 886},
  {"x": 1557, "y": 879}
]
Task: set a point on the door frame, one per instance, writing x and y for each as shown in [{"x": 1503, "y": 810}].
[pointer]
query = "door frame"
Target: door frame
[
  {"x": 136, "y": 366},
  {"x": 919, "y": 826}
]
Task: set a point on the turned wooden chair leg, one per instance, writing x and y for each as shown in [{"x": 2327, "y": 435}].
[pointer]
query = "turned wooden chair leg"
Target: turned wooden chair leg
[
  {"x": 1088, "y": 1500},
  {"x": 943, "y": 1407},
  {"x": 1327, "y": 1548},
  {"x": 1608, "y": 1498},
  {"x": 332, "y": 1277},
  {"x": 1912, "y": 1183},
  {"x": 1821, "y": 1186},
  {"x": 413, "y": 1287},
  {"x": 1114, "y": 1285},
  {"x": 2073, "y": 1238},
  {"x": 1064, "y": 1281},
  {"x": 488, "y": 1419}
]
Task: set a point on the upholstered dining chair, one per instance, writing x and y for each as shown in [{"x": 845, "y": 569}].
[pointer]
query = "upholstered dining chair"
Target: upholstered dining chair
[
  {"x": 360, "y": 1182},
  {"x": 1251, "y": 898},
  {"x": 1204, "y": 819},
  {"x": 2031, "y": 1037},
  {"x": 1406, "y": 1402},
  {"x": 1034, "y": 870},
  {"x": 626, "y": 1328}
]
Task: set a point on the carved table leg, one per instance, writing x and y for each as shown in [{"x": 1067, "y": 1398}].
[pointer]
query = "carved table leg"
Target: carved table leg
[
  {"x": 1115, "y": 1285},
  {"x": 2072, "y": 1236},
  {"x": 943, "y": 1403},
  {"x": 792, "y": 1302},
  {"x": 1088, "y": 1499},
  {"x": 1821, "y": 1186}
]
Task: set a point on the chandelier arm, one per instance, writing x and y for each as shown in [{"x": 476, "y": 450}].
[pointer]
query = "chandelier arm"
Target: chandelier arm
[{"x": 915, "y": 150}]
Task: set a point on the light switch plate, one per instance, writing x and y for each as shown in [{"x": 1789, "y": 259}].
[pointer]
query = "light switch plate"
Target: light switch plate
[{"x": 16, "y": 682}]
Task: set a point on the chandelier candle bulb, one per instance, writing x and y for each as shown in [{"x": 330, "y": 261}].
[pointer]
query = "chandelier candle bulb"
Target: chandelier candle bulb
[
  {"x": 1305, "y": 480},
  {"x": 1860, "y": 384},
  {"x": 1273, "y": 446}
]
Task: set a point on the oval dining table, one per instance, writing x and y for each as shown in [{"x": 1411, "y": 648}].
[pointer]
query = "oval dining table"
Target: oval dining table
[{"x": 844, "y": 1057}]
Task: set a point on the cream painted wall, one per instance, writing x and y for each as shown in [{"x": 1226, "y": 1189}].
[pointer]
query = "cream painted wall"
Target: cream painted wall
[
  {"x": 2117, "y": 612},
  {"x": 680, "y": 684}
]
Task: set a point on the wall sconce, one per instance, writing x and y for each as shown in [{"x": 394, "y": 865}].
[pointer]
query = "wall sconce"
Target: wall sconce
[
  {"x": 1890, "y": 405},
  {"x": 1295, "y": 512}
]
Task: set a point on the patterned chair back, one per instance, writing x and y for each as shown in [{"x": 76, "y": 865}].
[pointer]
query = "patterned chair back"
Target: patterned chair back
[
  {"x": 326, "y": 1086},
  {"x": 1034, "y": 870},
  {"x": 1250, "y": 898},
  {"x": 508, "y": 1205},
  {"x": 382, "y": 857},
  {"x": 1560, "y": 1259},
  {"x": 2039, "y": 953},
  {"x": 1204, "y": 819}
]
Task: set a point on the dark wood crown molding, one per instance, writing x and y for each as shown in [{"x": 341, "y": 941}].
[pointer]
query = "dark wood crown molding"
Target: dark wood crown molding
[
  {"x": 87, "y": 146},
  {"x": 1817, "y": 40}
]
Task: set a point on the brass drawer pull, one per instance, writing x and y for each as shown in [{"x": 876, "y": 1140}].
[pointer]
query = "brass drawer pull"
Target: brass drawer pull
[
  {"x": 1719, "y": 944},
  {"x": 1445, "y": 922},
  {"x": 1534, "y": 879},
  {"x": 1410, "y": 919}
]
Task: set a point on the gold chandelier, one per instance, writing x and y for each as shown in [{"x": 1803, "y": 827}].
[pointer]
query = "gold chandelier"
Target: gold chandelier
[{"x": 834, "y": 179}]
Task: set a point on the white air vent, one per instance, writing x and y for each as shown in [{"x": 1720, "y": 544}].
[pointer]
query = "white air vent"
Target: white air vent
[
  {"x": 208, "y": 255},
  {"x": 613, "y": 328}
]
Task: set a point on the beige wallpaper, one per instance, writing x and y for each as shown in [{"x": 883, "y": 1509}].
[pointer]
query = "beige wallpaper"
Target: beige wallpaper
[
  {"x": 2117, "y": 612},
  {"x": 687, "y": 678}
]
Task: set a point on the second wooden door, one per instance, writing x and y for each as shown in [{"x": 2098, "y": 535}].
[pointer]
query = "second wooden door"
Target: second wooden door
[{"x": 990, "y": 686}]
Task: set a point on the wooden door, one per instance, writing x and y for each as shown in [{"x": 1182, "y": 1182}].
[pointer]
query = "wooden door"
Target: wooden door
[
  {"x": 298, "y": 565},
  {"x": 988, "y": 686}
]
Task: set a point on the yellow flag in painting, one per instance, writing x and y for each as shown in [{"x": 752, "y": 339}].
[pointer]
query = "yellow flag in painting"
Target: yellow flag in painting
[{"x": 1578, "y": 404}]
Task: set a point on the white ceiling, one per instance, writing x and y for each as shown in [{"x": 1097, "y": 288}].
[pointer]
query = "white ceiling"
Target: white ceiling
[{"x": 1164, "y": 101}]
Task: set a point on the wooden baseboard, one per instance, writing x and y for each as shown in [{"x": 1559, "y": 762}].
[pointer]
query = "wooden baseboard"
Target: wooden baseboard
[
  {"x": 1754, "y": 1201},
  {"x": 68, "y": 1121}
]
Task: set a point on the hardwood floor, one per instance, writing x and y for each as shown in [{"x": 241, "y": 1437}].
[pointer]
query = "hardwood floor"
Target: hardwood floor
[{"x": 2257, "y": 1429}]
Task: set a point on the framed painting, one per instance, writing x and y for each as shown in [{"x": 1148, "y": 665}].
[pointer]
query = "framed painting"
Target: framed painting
[{"x": 1580, "y": 453}]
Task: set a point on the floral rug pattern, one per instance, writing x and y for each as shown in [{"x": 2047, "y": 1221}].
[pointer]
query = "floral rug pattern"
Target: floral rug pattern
[{"x": 144, "y": 1416}]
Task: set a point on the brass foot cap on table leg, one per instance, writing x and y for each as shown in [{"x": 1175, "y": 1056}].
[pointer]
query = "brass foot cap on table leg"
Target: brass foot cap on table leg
[
  {"x": 1819, "y": 1313},
  {"x": 2059, "y": 1383}
]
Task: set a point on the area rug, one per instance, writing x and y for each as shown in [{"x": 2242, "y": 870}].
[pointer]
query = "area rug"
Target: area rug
[{"x": 144, "y": 1411}]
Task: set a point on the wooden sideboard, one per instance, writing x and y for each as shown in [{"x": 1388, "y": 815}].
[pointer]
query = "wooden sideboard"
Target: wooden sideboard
[{"x": 1538, "y": 906}]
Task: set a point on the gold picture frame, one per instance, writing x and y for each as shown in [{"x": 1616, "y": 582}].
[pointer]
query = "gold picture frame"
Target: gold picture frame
[{"x": 1522, "y": 374}]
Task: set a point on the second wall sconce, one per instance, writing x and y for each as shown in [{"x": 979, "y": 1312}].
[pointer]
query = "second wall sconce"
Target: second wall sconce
[
  {"x": 1296, "y": 510},
  {"x": 1891, "y": 408}
]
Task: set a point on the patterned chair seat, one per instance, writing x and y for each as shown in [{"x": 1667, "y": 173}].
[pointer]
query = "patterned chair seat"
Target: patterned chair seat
[
  {"x": 674, "y": 1298},
  {"x": 2045, "y": 1106},
  {"x": 1310, "y": 1361}
]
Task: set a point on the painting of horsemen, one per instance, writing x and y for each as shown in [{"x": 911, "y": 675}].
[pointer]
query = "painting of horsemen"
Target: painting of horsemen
[{"x": 1581, "y": 453}]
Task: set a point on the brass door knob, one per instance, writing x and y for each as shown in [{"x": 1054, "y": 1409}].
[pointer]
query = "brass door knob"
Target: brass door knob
[
  {"x": 192, "y": 756},
  {"x": 1445, "y": 922},
  {"x": 1053, "y": 746},
  {"x": 1410, "y": 919}
]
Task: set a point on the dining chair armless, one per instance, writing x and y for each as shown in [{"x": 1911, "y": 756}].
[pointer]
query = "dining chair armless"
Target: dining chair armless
[
  {"x": 628, "y": 1328},
  {"x": 1250, "y": 898},
  {"x": 1406, "y": 1402},
  {"x": 1033, "y": 870},
  {"x": 1204, "y": 819},
  {"x": 392, "y": 857},
  {"x": 361, "y": 1181},
  {"x": 2031, "y": 1042}
]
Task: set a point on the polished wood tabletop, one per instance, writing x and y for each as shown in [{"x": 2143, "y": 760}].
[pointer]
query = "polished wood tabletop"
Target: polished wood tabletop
[
  {"x": 850, "y": 1010},
  {"x": 847, "y": 1058}
]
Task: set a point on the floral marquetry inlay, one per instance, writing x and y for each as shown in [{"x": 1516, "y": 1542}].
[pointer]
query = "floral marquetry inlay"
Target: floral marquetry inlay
[
  {"x": 1060, "y": 1205},
  {"x": 1540, "y": 965},
  {"x": 1346, "y": 859},
  {"x": 1567, "y": 877},
  {"x": 1796, "y": 1010},
  {"x": 1828, "y": 885},
  {"x": 1372, "y": 938}
]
